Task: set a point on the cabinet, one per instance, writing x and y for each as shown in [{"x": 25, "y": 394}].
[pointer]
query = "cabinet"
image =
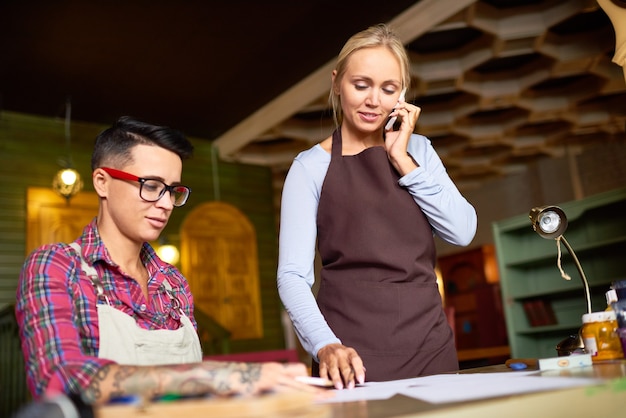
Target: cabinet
[{"x": 529, "y": 274}]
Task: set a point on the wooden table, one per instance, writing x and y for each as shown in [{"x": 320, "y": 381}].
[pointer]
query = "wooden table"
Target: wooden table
[
  {"x": 607, "y": 399},
  {"x": 483, "y": 353}
]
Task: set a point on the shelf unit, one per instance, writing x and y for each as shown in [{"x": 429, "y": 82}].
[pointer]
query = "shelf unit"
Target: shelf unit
[{"x": 528, "y": 269}]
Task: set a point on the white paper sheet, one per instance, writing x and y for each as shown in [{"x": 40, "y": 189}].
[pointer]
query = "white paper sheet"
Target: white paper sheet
[{"x": 445, "y": 388}]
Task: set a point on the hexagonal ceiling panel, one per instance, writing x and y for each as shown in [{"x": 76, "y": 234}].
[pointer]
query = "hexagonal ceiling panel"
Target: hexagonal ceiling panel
[{"x": 501, "y": 83}]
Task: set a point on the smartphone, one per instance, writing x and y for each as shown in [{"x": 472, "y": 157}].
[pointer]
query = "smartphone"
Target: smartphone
[{"x": 392, "y": 119}]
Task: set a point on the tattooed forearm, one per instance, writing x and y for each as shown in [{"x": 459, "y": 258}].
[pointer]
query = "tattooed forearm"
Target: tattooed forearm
[{"x": 218, "y": 378}]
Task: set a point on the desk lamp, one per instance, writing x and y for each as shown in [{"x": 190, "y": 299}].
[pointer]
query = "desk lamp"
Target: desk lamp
[{"x": 550, "y": 222}]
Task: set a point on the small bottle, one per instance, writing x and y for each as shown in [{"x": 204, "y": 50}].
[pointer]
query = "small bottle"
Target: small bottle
[{"x": 600, "y": 337}]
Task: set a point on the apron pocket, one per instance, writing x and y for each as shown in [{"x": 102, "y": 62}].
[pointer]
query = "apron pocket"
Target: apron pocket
[
  {"x": 156, "y": 353},
  {"x": 384, "y": 318}
]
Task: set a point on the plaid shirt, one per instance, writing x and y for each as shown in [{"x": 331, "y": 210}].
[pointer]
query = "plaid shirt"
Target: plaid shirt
[{"x": 57, "y": 316}]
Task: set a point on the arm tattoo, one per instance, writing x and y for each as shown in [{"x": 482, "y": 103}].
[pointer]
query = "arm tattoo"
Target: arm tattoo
[
  {"x": 249, "y": 376},
  {"x": 225, "y": 379},
  {"x": 114, "y": 380},
  {"x": 122, "y": 381},
  {"x": 93, "y": 392}
]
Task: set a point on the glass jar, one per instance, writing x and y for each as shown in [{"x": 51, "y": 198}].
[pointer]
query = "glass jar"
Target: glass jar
[{"x": 600, "y": 337}]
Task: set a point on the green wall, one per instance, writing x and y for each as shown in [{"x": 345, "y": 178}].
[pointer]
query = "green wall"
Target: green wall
[{"x": 30, "y": 150}]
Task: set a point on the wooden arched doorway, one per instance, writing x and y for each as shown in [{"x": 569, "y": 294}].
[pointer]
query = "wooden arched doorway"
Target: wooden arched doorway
[{"x": 219, "y": 258}]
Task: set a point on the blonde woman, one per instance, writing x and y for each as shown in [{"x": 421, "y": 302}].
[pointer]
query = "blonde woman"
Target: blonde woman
[{"x": 372, "y": 198}]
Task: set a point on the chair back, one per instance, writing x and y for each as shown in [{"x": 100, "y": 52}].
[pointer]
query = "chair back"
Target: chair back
[{"x": 13, "y": 390}]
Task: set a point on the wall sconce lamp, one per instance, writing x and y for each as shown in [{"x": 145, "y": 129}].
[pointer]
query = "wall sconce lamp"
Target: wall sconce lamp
[
  {"x": 550, "y": 222},
  {"x": 67, "y": 181}
]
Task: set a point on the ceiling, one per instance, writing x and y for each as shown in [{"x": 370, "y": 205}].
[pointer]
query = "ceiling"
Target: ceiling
[{"x": 501, "y": 83}]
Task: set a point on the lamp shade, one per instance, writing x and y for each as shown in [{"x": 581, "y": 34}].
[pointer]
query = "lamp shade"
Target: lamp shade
[
  {"x": 67, "y": 183},
  {"x": 548, "y": 221}
]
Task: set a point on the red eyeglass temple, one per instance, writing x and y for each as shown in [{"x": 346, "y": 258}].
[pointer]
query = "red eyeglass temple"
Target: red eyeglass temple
[{"x": 118, "y": 174}]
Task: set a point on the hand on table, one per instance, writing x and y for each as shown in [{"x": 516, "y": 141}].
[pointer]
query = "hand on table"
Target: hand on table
[{"x": 342, "y": 365}]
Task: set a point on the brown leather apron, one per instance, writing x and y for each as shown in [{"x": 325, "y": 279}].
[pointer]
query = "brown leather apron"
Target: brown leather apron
[{"x": 378, "y": 289}]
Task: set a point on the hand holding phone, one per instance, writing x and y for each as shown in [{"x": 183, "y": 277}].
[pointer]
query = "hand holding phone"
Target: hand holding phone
[{"x": 393, "y": 119}]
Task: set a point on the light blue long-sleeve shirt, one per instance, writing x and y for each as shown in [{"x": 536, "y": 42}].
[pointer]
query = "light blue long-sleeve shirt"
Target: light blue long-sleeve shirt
[{"x": 451, "y": 217}]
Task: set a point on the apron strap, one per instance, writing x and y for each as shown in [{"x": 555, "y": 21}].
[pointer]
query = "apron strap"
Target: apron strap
[{"x": 91, "y": 272}]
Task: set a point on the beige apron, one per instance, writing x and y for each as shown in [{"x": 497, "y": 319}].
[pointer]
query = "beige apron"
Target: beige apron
[{"x": 125, "y": 342}]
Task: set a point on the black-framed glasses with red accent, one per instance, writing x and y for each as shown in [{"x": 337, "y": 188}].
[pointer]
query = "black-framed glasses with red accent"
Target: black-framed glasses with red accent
[{"x": 152, "y": 190}]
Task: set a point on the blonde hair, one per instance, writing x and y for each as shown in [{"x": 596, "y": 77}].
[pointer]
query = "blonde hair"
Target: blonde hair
[{"x": 374, "y": 36}]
